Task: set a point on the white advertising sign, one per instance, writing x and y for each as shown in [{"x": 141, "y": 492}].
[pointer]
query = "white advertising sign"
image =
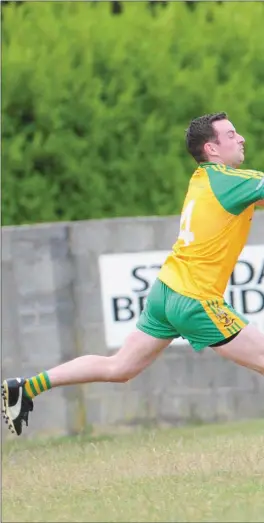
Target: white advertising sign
[{"x": 126, "y": 280}]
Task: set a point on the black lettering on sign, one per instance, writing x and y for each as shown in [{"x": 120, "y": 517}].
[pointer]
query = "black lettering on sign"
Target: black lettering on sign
[
  {"x": 246, "y": 298},
  {"x": 250, "y": 274},
  {"x": 261, "y": 276},
  {"x": 232, "y": 299},
  {"x": 146, "y": 284},
  {"x": 138, "y": 277},
  {"x": 141, "y": 301},
  {"x": 122, "y": 304}
]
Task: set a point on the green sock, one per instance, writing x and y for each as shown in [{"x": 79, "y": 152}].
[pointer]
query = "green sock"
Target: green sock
[{"x": 37, "y": 384}]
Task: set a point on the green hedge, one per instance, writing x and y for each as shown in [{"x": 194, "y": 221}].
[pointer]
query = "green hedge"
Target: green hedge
[{"x": 95, "y": 106}]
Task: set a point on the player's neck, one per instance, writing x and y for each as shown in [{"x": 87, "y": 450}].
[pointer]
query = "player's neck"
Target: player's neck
[{"x": 219, "y": 161}]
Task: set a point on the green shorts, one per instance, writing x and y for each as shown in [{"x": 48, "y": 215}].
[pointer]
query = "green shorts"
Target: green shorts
[{"x": 202, "y": 323}]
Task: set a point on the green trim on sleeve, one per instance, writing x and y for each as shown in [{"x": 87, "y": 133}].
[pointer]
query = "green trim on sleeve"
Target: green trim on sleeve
[{"x": 235, "y": 189}]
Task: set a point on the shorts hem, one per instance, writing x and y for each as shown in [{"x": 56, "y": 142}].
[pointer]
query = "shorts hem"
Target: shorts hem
[
  {"x": 198, "y": 349},
  {"x": 223, "y": 338},
  {"x": 150, "y": 333}
]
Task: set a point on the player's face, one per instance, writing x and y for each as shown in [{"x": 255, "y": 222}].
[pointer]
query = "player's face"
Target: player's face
[{"x": 230, "y": 147}]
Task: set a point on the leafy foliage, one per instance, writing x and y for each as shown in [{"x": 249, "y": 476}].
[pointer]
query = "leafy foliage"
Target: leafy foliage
[{"x": 94, "y": 106}]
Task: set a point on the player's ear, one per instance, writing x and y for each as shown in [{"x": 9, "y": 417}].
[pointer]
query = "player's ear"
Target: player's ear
[{"x": 210, "y": 149}]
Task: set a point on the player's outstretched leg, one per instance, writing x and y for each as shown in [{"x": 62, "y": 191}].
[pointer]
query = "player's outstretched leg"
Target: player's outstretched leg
[
  {"x": 138, "y": 351},
  {"x": 247, "y": 349}
]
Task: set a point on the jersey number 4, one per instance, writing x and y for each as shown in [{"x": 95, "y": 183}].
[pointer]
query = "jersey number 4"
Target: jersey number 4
[{"x": 185, "y": 224}]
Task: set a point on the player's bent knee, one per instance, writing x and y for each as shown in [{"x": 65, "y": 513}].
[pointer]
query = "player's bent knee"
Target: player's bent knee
[
  {"x": 246, "y": 349},
  {"x": 137, "y": 353},
  {"x": 260, "y": 362},
  {"x": 120, "y": 372}
]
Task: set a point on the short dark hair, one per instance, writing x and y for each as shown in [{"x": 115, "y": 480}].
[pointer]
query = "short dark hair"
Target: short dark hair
[{"x": 201, "y": 131}]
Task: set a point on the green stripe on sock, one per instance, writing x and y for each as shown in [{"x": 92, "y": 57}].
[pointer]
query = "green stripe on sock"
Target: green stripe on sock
[
  {"x": 26, "y": 393},
  {"x": 31, "y": 384},
  {"x": 40, "y": 384},
  {"x": 46, "y": 377}
]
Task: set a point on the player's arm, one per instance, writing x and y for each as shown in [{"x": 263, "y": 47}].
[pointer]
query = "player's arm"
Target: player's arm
[
  {"x": 260, "y": 203},
  {"x": 243, "y": 190},
  {"x": 237, "y": 189}
]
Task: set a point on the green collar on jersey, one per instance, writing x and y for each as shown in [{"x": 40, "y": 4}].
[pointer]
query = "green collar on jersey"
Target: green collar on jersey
[
  {"x": 204, "y": 164},
  {"x": 210, "y": 163}
]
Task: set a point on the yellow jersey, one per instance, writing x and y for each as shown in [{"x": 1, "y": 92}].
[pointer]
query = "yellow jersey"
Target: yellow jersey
[{"x": 214, "y": 227}]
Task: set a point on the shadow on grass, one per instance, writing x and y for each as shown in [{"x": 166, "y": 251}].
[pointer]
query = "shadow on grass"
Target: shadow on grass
[
  {"x": 191, "y": 431},
  {"x": 17, "y": 445}
]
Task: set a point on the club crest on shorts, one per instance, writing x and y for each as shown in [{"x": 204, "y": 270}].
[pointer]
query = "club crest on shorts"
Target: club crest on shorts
[{"x": 224, "y": 317}]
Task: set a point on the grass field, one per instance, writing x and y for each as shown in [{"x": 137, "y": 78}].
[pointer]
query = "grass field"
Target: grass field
[{"x": 206, "y": 473}]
